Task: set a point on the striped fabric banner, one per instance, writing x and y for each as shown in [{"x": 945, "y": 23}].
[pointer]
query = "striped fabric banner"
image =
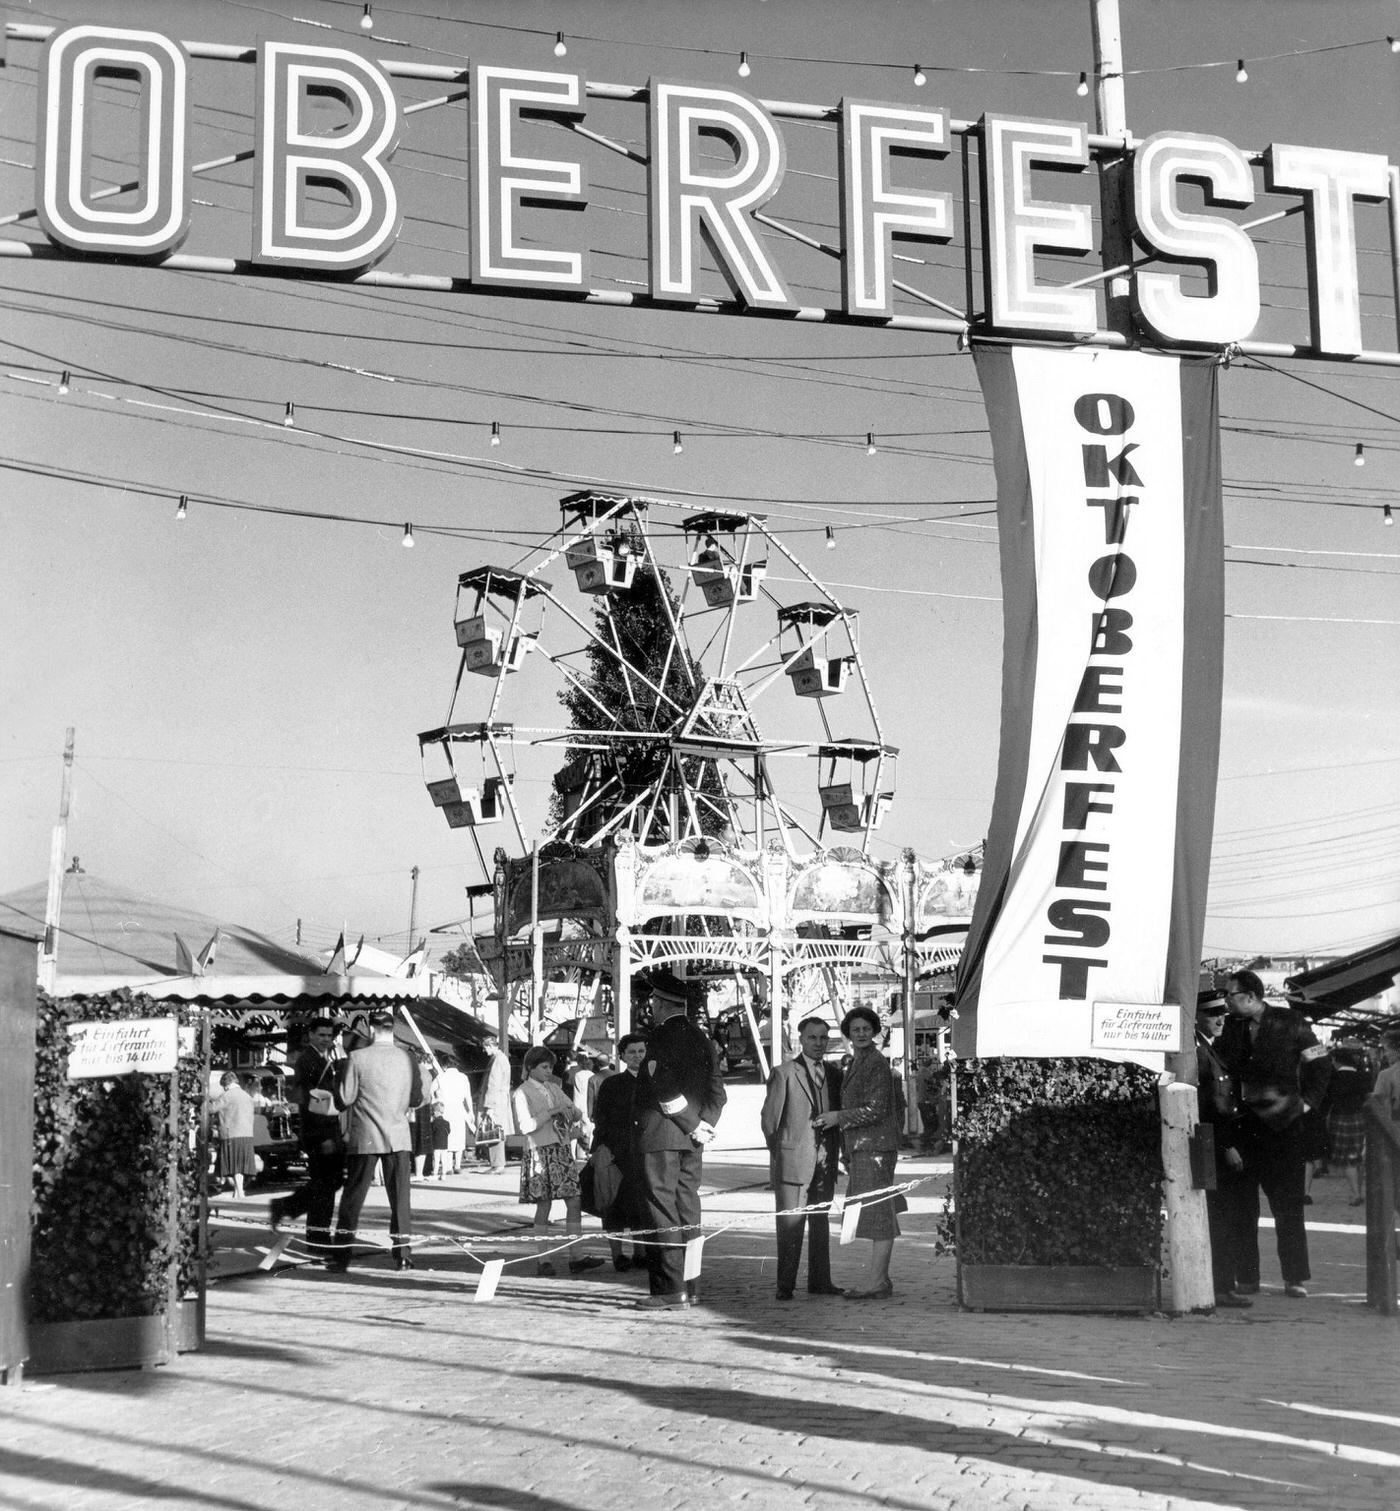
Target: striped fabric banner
[{"x": 1086, "y": 935}]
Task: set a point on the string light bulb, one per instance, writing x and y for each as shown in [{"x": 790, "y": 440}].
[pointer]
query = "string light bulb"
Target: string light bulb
[
  {"x": 1359, "y": 460},
  {"x": 744, "y": 69},
  {"x": 830, "y": 538},
  {"x": 495, "y": 432},
  {"x": 182, "y": 508},
  {"x": 920, "y": 77},
  {"x": 408, "y": 537},
  {"x": 676, "y": 445},
  {"x": 1082, "y": 88},
  {"x": 1241, "y": 73},
  {"x": 1387, "y": 518},
  {"x": 870, "y": 443},
  {"x": 63, "y": 382},
  {"x": 367, "y": 20},
  {"x": 1394, "y": 43},
  {"x": 560, "y": 50},
  {"x": 290, "y": 417}
]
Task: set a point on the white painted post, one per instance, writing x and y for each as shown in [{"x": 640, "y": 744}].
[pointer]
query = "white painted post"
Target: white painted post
[{"x": 1189, "y": 1285}]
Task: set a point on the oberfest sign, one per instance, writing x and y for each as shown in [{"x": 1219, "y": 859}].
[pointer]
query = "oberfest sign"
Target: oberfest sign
[{"x": 1177, "y": 180}]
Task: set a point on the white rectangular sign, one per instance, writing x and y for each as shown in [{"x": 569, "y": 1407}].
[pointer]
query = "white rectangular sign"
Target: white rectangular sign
[
  {"x": 1136, "y": 1026},
  {"x": 145, "y": 1045}
]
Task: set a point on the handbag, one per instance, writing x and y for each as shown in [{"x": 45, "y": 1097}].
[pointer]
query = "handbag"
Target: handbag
[
  {"x": 488, "y": 1130},
  {"x": 600, "y": 1181}
]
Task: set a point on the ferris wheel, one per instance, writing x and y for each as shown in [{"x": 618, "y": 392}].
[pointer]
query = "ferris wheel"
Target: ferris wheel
[{"x": 711, "y": 688}]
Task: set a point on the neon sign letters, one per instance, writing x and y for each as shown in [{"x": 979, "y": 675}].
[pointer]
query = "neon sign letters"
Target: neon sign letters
[{"x": 690, "y": 202}]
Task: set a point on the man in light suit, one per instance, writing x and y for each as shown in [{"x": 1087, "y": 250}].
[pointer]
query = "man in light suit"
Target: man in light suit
[
  {"x": 803, "y": 1160},
  {"x": 379, "y": 1086}
]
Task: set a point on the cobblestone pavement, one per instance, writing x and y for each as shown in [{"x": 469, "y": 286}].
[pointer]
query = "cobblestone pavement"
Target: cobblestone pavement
[{"x": 385, "y": 1389}]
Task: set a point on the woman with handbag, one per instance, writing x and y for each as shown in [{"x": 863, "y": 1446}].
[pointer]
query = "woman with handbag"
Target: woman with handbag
[
  {"x": 871, "y": 1127},
  {"x": 614, "y": 1192},
  {"x": 549, "y": 1122}
]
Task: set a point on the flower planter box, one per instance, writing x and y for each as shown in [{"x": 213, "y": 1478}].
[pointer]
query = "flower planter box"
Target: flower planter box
[
  {"x": 1059, "y": 1288},
  {"x": 60, "y": 1348}
]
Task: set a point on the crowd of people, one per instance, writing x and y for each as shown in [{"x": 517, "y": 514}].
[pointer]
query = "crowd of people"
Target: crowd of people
[
  {"x": 1281, "y": 1106},
  {"x": 626, "y": 1143}
]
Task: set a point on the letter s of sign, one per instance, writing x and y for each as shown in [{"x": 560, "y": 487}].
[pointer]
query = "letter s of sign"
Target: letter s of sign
[{"x": 1230, "y": 310}]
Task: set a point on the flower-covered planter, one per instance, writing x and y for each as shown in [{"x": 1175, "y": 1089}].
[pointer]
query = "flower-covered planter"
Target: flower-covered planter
[
  {"x": 1057, "y": 1197},
  {"x": 61, "y": 1348},
  {"x": 1059, "y": 1288},
  {"x": 114, "y": 1277}
]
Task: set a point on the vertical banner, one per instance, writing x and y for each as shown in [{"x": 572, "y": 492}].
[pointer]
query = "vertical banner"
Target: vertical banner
[{"x": 1086, "y": 935}]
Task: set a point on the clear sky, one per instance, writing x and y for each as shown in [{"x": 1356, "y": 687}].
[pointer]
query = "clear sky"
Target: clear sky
[{"x": 247, "y": 684}]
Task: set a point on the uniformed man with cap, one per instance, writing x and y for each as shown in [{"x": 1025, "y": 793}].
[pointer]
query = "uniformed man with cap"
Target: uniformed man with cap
[{"x": 677, "y": 1102}]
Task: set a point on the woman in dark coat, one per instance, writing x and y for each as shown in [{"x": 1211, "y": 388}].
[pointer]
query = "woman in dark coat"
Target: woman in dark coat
[
  {"x": 870, "y": 1131},
  {"x": 612, "y": 1144}
]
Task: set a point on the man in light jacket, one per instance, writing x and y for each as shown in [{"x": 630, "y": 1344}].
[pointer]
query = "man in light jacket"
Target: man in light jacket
[
  {"x": 802, "y": 1160},
  {"x": 379, "y": 1086}
]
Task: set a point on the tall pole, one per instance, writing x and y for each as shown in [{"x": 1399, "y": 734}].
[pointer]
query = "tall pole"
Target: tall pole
[
  {"x": 1111, "y": 119},
  {"x": 412, "y": 911},
  {"x": 53, "y": 907}
]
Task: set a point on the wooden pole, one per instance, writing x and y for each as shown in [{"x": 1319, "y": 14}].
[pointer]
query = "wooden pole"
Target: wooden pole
[
  {"x": 1191, "y": 1282},
  {"x": 1381, "y": 1155},
  {"x": 412, "y": 911},
  {"x": 1115, "y": 174},
  {"x": 53, "y": 907}
]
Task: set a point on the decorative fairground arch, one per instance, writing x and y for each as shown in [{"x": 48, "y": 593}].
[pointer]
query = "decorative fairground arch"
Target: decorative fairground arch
[{"x": 1103, "y": 408}]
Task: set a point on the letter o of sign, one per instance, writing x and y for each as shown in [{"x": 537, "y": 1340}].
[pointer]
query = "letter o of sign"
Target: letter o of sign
[
  {"x": 1104, "y": 413},
  {"x": 74, "y": 60}
]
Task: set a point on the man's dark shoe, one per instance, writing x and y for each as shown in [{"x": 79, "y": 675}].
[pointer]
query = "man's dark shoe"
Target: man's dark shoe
[
  {"x": 588, "y": 1262},
  {"x": 825, "y": 1290},
  {"x": 1247, "y": 1288},
  {"x": 337, "y": 1266},
  {"x": 1298, "y": 1292},
  {"x": 782, "y": 1295},
  {"x": 1232, "y": 1299},
  {"x": 673, "y": 1301},
  {"x": 403, "y": 1261}
]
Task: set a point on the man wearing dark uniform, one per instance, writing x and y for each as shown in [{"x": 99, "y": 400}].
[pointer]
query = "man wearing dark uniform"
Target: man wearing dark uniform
[
  {"x": 1281, "y": 1071},
  {"x": 321, "y": 1136},
  {"x": 677, "y": 1102}
]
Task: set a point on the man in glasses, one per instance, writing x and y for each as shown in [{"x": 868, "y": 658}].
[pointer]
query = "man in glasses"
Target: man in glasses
[{"x": 1281, "y": 1071}]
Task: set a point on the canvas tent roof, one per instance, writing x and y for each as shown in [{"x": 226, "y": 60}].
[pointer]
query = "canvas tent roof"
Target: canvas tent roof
[
  {"x": 1342, "y": 983},
  {"x": 120, "y": 938}
]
